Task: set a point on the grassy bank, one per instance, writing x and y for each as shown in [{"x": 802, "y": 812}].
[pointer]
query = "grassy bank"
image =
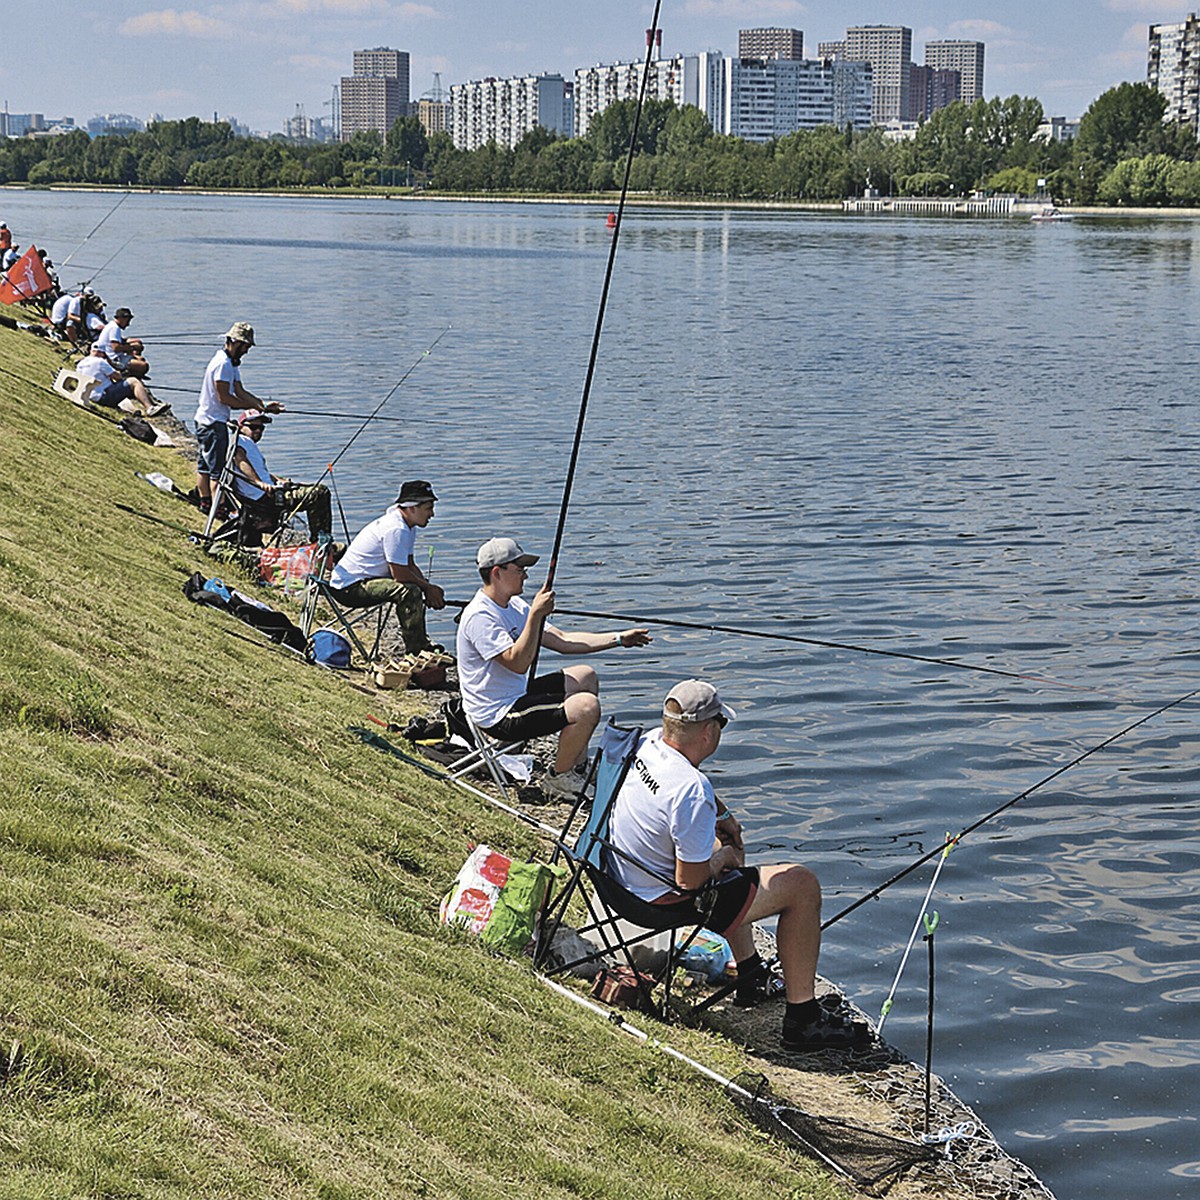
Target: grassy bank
[{"x": 221, "y": 972}]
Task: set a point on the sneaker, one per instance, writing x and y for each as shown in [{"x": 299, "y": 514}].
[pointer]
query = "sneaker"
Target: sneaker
[
  {"x": 826, "y": 1031},
  {"x": 157, "y": 410},
  {"x": 564, "y": 787},
  {"x": 767, "y": 984}
]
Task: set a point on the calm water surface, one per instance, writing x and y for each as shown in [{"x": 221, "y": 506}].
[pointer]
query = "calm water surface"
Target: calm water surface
[{"x": 970, "y": 440}]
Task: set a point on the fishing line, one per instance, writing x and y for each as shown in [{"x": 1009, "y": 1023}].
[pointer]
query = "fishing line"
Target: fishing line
[
  {"x": 63, "y": 265},
  {"x": 395, "y": 388},
  {"x": 595, "y": 351},
  {"x": 950, "y": 841},
  {"x": 89, "y": 281}
]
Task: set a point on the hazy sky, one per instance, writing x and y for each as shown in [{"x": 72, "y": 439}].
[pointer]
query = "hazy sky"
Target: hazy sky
[{"x": 258, "y": 59}]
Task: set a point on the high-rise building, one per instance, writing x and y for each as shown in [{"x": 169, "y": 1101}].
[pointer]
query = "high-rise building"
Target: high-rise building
[
  {"x": 1173, "y": 68},
  {"x": 831, "y": 49},
  {"x": 597, "y": 87},
  {"x": 930, "y": 89},
  {"x": 964, "y": 57},
  {"x": 770, "y": 98},
  {"x": 888, "y": 48},
  {"x": 434, "y": 115},
  {"x": 376, "y": 95},
  {"x": 505, "y": 110},
  {"x": 770, "y": 43}
]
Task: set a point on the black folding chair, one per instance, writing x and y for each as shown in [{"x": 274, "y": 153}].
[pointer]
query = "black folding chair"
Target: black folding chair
[{"x": 589, "y": 856}]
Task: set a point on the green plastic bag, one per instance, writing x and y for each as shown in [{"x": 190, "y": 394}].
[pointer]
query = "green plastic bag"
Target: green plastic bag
[{"x": 521, "y": 900}]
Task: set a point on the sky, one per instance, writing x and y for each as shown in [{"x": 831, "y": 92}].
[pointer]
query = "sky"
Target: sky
[{"x": 256, "y": 60}]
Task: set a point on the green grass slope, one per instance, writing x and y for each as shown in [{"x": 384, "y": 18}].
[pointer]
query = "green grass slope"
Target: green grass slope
[{"x": 221, "y": 973}]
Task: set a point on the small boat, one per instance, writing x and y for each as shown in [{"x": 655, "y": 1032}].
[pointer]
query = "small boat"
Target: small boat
[{"x": 1049, "y": 213}]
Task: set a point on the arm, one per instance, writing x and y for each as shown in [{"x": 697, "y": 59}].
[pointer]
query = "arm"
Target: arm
[
  {"x": 518, "y": 658},
  {"x": 692, "y": 876},
  {"x": 409, "y": 572},
  {"x": 589, "y": 643},
  {"x": 242, "y": 464}
]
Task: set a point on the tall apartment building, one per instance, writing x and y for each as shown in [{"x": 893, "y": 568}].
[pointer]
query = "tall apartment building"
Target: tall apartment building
[
  {"x": 1173, "y": 68},
  {"x": 505, "y": 110},
  {"x": 964, "y": 57},
  {"x": 831, "y": 49},
  {"x": 930, "y": 89},
  {"x": 770, "y": 98},
  {"x": 888, "y": 48},
  {"x": 597, "y": 87},
  {"x": 770, "y": 43},
  {"x": 434, "y": 115},
  {"x": 376, "y": 95}
]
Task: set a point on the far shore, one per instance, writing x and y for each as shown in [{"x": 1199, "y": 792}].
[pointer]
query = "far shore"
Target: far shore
[{"x": 601, "y": 199}]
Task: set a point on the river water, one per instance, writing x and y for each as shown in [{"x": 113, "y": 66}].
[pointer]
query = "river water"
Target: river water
[{"x": 960, "y": 439}]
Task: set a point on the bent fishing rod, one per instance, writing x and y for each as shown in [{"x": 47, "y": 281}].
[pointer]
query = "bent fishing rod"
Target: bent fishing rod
[
  {"x": 953, "y": 840},
  {"x": 568, "y": 484}
]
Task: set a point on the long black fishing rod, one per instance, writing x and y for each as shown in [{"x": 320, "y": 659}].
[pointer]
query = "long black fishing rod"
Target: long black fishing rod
[
  {"x": 599, "y": 326},
  {"x": 741, "y": 631},
  {"x": 952, "y": 840},
  {"x": 62, "y": 266}
]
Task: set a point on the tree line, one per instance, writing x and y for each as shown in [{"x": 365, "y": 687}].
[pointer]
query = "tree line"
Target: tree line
[{"x": 1124, "y": 154}]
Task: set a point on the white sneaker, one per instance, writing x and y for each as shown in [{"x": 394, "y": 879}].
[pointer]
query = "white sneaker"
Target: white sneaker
[{"x": 566, "y": 786}]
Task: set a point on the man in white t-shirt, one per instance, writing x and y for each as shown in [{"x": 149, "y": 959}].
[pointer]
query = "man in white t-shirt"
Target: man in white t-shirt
[
  {"x": 127, "y": 354},
  {"x": 220, "y": 393},
  {"x": 667, "y": 818},
  {"x": 379, "y": 566},
  {"x": 268, "y": 498},
  {"x": 113, "y": 388},
  {"x": 497, "y": 641}
]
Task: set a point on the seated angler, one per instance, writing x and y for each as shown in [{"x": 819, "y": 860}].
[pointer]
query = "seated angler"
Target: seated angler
[
  {"x": 126, "y": 354},
  {"x": 113, "y": 389},
  {"x": 667, "y": 818},
  {"x": 497, "y": 641},
  {"x": 379, "y": 566},
  {"x": 267, "y": 499},
  {"x": 67, "y": 318}
]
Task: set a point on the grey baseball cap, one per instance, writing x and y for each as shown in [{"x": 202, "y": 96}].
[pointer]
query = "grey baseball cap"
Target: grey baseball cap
[
  {"x": 698, "y": 701},
  {"x": 498, "y": 551}
]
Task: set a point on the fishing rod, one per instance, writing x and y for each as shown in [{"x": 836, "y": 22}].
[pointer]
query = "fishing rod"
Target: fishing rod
[
  {"x": 62, "y": 266},
  {"x": 599, "y": 326},
  {"x": 375, "y": 412},
  {"x": 952, "y": 840},
  {"x": 295, "y": 412},
  {"x": 90, "y": 281},
  {"x": 742, "y": 631}
]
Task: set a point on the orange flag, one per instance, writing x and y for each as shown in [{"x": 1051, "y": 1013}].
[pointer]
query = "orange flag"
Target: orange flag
[{"x": 25, "y": 279}]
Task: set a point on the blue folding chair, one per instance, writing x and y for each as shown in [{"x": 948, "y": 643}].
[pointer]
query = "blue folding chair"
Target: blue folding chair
[{"x": 589, "y": 855}]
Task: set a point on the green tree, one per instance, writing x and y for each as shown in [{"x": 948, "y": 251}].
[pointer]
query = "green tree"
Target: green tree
[
  {"x": 927, "y": 183},
  {"x": 407, "y": 143},
  {"x": 1020, "y": 181}
]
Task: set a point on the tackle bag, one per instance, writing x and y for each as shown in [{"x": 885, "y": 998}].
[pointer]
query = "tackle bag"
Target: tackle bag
[{"x": 620, "y": 987}]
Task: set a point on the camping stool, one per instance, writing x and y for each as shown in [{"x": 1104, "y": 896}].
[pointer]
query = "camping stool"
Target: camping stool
[
  {"x": 349, "y": 621},
  {"x": 486, "y": 753},
  {"x": 74, "y": 387}
]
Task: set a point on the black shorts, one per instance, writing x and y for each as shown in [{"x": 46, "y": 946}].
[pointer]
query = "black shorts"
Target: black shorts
[
  {"x": 723, "y": 907},
  {"x": 538, "y": 713}
]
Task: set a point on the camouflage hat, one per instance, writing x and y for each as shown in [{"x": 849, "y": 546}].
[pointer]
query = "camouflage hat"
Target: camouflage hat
[{"x": 241, "y": 331}]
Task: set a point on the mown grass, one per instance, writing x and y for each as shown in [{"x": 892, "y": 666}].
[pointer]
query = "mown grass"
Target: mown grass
[{"x": 221, "y": 973}]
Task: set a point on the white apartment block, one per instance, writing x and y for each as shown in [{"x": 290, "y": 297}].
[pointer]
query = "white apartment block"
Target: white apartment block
[
  {"x": 1173, "y": 68},
  {"x": 888, "y": 48},
  {"x": 767, "y": 99},
  {"x": 505, "y": 110},
  {"x": 597, "y": 87},
  {"x": 964, "y": 57}
]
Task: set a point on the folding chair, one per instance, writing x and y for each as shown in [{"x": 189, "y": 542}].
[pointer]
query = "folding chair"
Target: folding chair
[
  {"x": 609, "y": 904},
  {"x": 347, "y": 620},
  {"x": 485, "y": 752}
]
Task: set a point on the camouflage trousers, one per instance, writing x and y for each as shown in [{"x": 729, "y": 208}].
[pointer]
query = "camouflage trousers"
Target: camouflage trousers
[{"x": 407, "y": 598}]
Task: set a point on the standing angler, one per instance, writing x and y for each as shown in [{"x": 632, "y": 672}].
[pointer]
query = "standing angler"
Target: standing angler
[{"x": 222, "y": 391}]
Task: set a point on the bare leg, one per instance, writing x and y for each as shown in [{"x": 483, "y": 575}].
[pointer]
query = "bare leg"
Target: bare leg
[{"x": 792, "y": 893}]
